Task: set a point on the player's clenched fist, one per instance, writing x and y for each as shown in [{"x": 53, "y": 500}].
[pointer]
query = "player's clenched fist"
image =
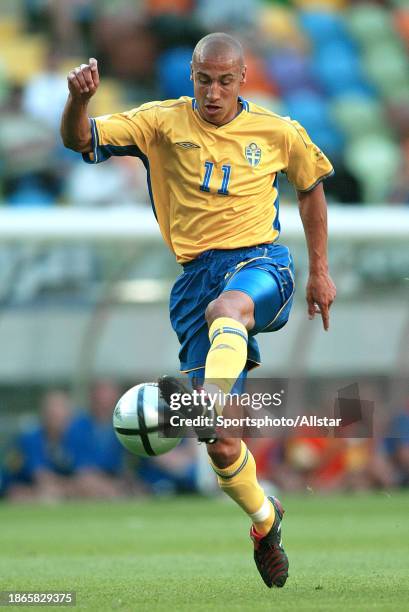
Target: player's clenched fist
[{"x": 83, "y": 81}]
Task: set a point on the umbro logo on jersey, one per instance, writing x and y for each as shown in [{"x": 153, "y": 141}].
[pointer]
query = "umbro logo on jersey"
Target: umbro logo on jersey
[
  {"x": 253, "y": 154},
  {"x": 187, "y": 145}
]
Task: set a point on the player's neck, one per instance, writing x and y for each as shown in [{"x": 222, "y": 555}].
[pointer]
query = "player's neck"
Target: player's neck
[
  {"x": 230, "y": 117},
  {"x": 238, "y": 109}
]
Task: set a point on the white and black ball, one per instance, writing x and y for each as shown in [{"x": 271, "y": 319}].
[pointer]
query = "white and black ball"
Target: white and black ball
[{"x": 137, "y": 421}]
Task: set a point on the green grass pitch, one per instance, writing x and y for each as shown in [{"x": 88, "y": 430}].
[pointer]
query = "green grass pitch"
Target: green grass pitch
[{"x": 348, "y": 553}]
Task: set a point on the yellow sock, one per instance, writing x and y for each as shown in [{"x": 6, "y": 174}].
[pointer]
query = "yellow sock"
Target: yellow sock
[
  {"x": 228, "y": 353},
  {"x": 239, "y": 481}
]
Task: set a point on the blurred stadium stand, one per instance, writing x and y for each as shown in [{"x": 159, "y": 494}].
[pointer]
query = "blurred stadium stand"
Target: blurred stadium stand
[
  {"x": 340, "y": 68},
  {"x": 77, "y": 305}
]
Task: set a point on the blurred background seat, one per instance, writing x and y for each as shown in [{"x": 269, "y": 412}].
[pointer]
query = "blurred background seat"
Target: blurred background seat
[
  {"x": 290, "y": 70},
  {"x": 387, "y": 66},
  {"x": 341, "y": 68},
  {"x": 357, "y": 115},
  {"x": 375, "y": 160},
  {"x": 174, "y": 72},
  {"x": 369, "y": 23}
]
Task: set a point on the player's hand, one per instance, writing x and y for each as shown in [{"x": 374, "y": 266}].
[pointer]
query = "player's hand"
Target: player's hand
[
  {"x": 321, "y": 293},
  {"x": 83, "y": 81}
]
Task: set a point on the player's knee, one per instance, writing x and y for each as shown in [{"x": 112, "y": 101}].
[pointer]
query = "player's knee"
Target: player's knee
[
  {"x": 225, "y": 306},
  {"x": 217, "y": 308},
  {"x": 224, "y": 452}
]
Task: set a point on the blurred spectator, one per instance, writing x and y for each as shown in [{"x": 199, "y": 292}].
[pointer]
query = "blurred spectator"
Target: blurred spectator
[
  {"x": 271, "y": 465},
  {"x": 45, "y": 93},
  {"x": 236, "y": 14},
  {"x": 78, "y": 456},
  {"x": 66, "y": 23},
  {"x": 103, "y": 455},
  {"x": 172, "y": 30},
  {"x": 396, "y": 445},
  {"x": 126, "y": 49},
  {"x": 343, "y": 187},
  {"x": 174, "y": 472},
  {"x": 37, "y": 15},
  {"x": 300, "y": 55},
  {"x": 319, "y": 462},
  {"x": 43, "y": 462},
  {"x": 257, "y": 81},
  {"x": 366, "y": 466},
  {"x": 26, "y": 145},
  {"x": 400, "y": 186},
  {"x": 68, "y": 456},
  {"x": 3, "y": 481},
  {"x": 29, "y": 273},
  {"x": 326, "y": 464},
  {"x": 72, "y": 24},
  {"x": 163, "y": 7},
  {"x": 174, "y": 73},
  {"x": 32, "y": 189},
  {"x": 121, "y": 183}
]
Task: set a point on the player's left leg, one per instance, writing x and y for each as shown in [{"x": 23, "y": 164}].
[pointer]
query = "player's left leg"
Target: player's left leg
[{"x": 230, "y": 317}]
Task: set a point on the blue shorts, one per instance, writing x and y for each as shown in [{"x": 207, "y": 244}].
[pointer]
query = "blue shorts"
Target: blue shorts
[{"x": 264, "y": 272}]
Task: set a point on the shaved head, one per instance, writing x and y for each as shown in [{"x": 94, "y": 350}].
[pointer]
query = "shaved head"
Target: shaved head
[
  {"x": 218, "y": 71},
  {"x": 218, "y": 47}
]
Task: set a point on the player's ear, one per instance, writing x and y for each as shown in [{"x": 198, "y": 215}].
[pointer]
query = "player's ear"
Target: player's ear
[
  {"x": 243, "y": 75},
  {"x": 191, "y": 71}
]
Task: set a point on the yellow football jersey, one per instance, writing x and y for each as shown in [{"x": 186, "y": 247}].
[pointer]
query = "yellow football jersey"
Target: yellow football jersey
[{"x": 212, "y": 187}]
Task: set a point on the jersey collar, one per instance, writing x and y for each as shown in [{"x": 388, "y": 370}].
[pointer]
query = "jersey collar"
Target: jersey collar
[{"x": 244, "y": 107}]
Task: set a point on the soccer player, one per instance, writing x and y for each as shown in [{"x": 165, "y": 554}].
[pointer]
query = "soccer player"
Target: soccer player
[{"x": 213, "y": 163}]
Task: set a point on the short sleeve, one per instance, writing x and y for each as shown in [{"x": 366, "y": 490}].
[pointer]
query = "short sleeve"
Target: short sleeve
[
  {"x": 129, "y": 133},
  {"x": 307, "y": 164}
]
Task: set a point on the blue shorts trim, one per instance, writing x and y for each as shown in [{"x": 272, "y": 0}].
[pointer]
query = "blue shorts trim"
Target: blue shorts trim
[{"x": 265, "y": 273}]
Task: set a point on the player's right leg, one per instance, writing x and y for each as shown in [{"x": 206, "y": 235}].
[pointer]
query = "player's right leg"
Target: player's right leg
[
  {"x": 238, "y": 479},
  {"x": 235, "y": 469}
]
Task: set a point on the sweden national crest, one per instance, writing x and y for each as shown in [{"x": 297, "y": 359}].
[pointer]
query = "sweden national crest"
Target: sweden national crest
[{"x": 253, "y": 154}]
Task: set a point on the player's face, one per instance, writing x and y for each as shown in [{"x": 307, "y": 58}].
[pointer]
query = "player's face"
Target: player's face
[{"x": 216, "y": 85}]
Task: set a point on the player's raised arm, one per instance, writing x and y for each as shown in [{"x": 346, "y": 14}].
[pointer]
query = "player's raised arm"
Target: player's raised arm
[
  {"x": 83, "y": 82},
  {"x": 321, "y": 290}
]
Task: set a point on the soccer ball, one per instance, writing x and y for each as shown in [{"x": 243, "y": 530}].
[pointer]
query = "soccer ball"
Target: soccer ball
[{"x": 136, "y": 421}]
